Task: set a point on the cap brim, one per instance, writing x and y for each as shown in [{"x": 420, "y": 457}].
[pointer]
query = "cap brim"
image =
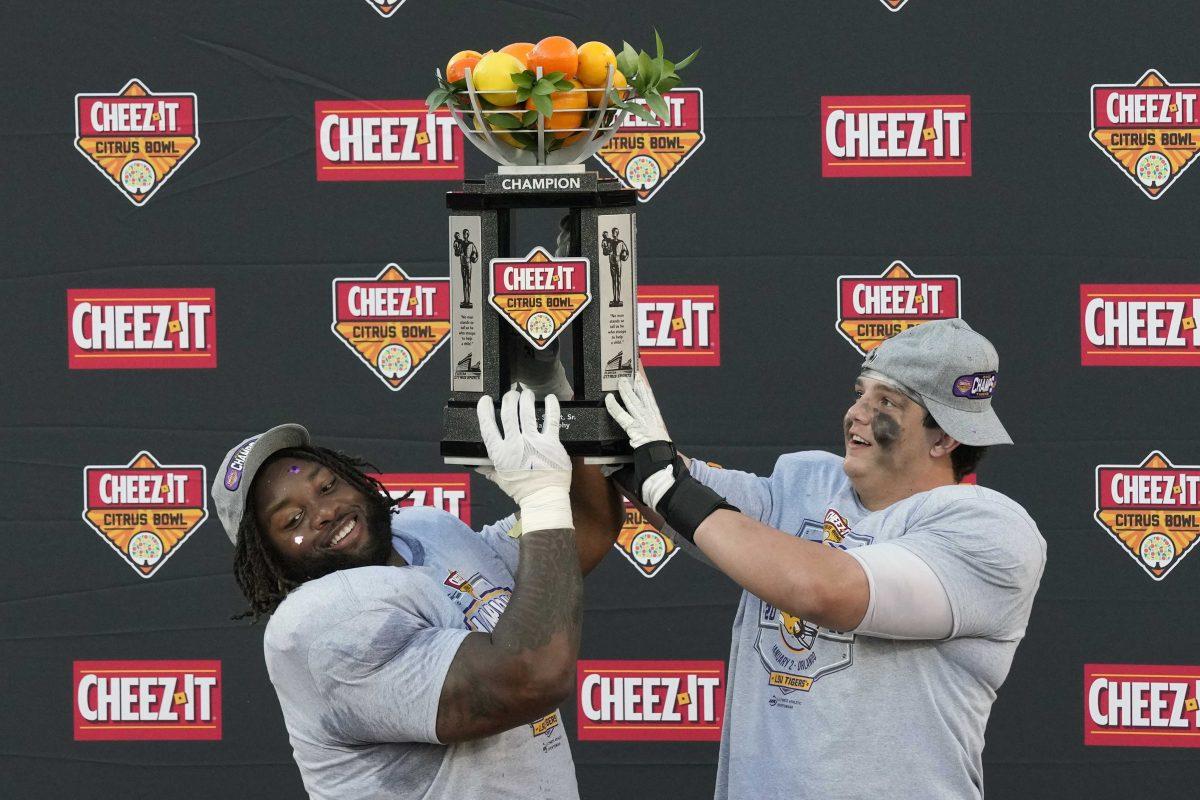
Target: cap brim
[{"x": 975, "y": 428}]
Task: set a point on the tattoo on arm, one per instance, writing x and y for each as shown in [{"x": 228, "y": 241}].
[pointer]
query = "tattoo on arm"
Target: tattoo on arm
[{"x": 512, "y": 675}]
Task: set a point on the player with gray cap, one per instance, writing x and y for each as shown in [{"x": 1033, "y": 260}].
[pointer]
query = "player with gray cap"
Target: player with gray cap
[
  {"x": 884, "y": 598},
  {"x": 412, "y": 656}
]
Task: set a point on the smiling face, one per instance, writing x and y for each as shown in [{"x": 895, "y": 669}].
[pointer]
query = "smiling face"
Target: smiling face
[
  {"x": 890, "y": 454},
  {"x": 316, "y": 521}
]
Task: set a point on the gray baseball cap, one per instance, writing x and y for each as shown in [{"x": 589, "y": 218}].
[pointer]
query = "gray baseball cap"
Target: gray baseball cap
[
  {"x": 231, "y": 485},
  {"x": 951, "y": 370}
]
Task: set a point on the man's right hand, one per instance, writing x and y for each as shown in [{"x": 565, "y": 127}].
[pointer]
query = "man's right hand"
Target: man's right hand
[{"x": 531, "y": 466}]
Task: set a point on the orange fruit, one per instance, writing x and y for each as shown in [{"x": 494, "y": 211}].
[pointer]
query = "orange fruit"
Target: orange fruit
[
  {"x": 554, "y": 54},
  {"x": 456, "y": 70},
  {"x": 520, "y": 50},
  {"x": 568, "y": 111},
  {"x": 619, "y": 82},
  {"x": 594, "y": 58},
  {"x": 458, "y": 59}
]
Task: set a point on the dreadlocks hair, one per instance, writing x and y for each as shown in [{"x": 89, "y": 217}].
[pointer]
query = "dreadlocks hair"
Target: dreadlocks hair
[
  {"x": 963, "y": 458},
  {"x": 260, "y": 573}
]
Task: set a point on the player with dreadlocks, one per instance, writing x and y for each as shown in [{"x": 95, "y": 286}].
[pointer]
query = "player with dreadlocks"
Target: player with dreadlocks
[{"x": 412, "y": 656}]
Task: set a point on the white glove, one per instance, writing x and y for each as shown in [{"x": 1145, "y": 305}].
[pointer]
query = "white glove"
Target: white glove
[
  {"x": 643, "y": 423},
  {"x": 531, "y": 466},
  {"x": 640, "y": 417}
]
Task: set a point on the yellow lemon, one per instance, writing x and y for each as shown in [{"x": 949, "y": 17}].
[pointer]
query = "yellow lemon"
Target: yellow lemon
[{"x": 493, "y": 74}]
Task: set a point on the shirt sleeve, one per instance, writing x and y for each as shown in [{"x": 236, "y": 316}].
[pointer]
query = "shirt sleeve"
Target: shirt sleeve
[
  {"x": 989, "y": 559},
  {"x": 749, "y": 492},
  {"x": 381, "y": 672},
  {"x": 496, "y": 536}
]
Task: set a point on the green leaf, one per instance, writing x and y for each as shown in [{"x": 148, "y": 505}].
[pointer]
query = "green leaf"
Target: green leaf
[
  {"x": 529, "y": 118},
  {"x": 506, "y": 121},
  {"x": 554, "y": 144},
  {"x": 645, "y": 68},
  {"x": 639, "y": 110},
  {"x": 627, "y": 61},
  {"x": 526, "y": 140},
  {"x": 543, "y": 104},
  {"x": 523, "y": 94},
  {"x": 658, "y": 45},
  {"x": 524, "y": 79},
  {"x": 668, "y": 83},
  {"x": 658, "y": 105},
  {"x": 543, "y": 87},
  {"x": 554, "y": 77},
  {"x": 564, "y": 85},
  {"x": 659, "y": 70},
  {"x": 437, "y": 98},
  {"x": 687, "y": 60}
]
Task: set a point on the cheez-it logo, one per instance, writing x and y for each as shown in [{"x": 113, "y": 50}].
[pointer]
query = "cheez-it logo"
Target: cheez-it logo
[
  {"x": 1149, "y": 129},
  {"x": 872, "y": 308},
  {"x": 1139, "y": 325},
  {"x": 135, "y": 137},
  {"x": 392, "y": 322},
  {"x": 1141, "y": 705},
  {"x": 896, "y": 136},
  {"x": 1151, "y": 509},
  {"x": 679, "y": 326},
  {"x": 386, "y": 140},
  {"x": 141, "y": 328},
  {"x": 144, "y": 509}
]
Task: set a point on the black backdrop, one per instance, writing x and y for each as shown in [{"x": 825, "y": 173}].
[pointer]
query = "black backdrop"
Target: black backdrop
[{"x": 1043, "y": 212}]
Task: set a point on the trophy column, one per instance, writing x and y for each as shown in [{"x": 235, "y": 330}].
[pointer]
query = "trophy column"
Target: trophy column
[{"x": 604, "y": 330}]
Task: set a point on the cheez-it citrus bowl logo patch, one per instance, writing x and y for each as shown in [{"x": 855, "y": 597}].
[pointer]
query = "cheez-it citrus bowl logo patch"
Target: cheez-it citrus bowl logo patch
[
  {"x": 896, "y": 136},
  {"x": 145, "y": 510},
  {"x": 679, "y": 326},
  {"x": 392, "y": 322},
  {"x": 385, "y": 7},
  {"x": 135, "y": 137},
  {"x": 1150, "y": 129},
  {"x": 539, "y": 294},
  {"x": 872, "y": 308},
  {"x": 1151, "y": 509},
  {"x": 141, "y": 328},
  {"x": 642, "y": 544},
  {"x": 1139, "y": 325},
  {"x": 387, "y": 140},
  {"x": 644, "y": 155}
]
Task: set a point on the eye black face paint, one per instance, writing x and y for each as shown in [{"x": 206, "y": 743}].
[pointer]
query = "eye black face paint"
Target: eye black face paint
[{"x": 885, "y": 429}]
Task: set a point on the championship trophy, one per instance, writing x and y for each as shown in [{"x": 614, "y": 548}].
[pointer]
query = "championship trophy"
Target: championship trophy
[{"x": 502, "y": 299}]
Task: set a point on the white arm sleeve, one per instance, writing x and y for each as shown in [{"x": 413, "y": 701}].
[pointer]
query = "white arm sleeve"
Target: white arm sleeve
[{"x": 908, "y": 600}]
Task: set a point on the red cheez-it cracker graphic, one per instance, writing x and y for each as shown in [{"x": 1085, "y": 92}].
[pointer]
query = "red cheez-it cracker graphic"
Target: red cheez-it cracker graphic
[
  {"x": 387, "y": 140},
  {"x": 872, "y": 308},
  {"x": 141, "y": 328},
  {"x": 896, "y": 136},
  {"x": 1151, "y": 509},
  {"x": 392, "y": 322},
  {"x": 448, "y": 491},
  {"x": 679, "y": 326},
  {"x": 147, "y": 700},
  {"x": 1139, "y": 325},
  {"x": 666, "y": 701},
  {"x": 1150, "y": 129},
  {"x": 135, "y": 137},
  {"x": 144, "y": 509},
  {"x": 644, "y": 155},
  {"x": 1141, "y": 705}
]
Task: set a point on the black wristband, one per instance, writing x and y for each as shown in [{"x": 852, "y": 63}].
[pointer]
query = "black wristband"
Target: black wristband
[{"x": 689, "y": 502}]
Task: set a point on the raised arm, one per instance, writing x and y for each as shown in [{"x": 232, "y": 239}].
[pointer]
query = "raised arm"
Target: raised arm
[{"x": 524, "y": 668}]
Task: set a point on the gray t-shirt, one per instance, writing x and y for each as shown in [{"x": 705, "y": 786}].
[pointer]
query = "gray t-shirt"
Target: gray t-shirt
[
  {"x": 358, "y": 658},
  {"x": 816, "y": 713}
]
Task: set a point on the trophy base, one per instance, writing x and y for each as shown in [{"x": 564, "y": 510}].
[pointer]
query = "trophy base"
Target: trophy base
[{"x": 586, "y": 429}]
